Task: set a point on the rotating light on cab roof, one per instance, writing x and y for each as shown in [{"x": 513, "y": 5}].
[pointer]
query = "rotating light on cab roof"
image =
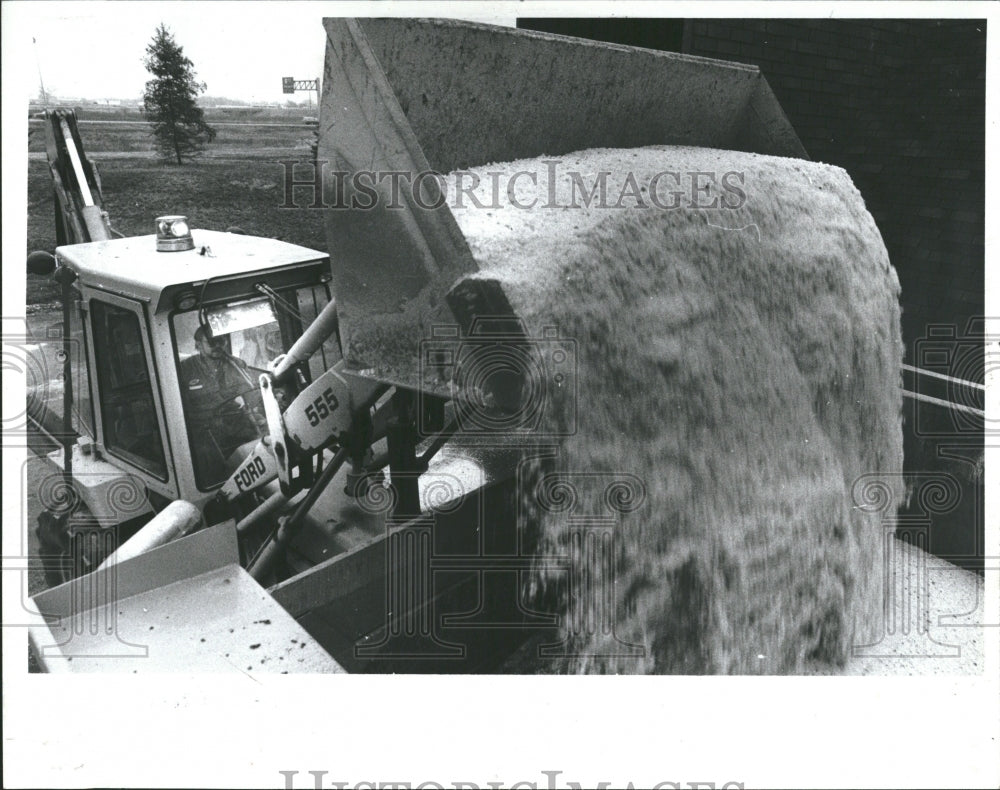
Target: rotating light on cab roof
[{"x": 173, "y": 234}]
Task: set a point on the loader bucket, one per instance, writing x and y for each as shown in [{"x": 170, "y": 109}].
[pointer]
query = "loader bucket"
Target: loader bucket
[{"x": 419, "y": 95}]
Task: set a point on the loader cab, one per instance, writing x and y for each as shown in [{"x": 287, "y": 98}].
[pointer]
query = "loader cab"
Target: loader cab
[{"x": 176, "y": 342}]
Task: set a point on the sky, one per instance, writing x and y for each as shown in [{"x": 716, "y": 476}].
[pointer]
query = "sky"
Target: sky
[{"x": 241, "y": 50}]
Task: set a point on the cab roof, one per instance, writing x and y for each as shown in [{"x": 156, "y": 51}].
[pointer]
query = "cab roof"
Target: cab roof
[{"x": 132, "y": 266}]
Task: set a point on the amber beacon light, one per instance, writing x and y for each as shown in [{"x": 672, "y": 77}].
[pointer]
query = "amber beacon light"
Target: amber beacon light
[{"x": 173, "y": 234}]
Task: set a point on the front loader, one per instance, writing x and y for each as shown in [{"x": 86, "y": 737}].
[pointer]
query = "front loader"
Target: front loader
[{"x": 351, "y": 499}]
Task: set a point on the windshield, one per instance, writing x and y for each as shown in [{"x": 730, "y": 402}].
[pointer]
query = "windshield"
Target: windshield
[{"x": 221, "y": 353}]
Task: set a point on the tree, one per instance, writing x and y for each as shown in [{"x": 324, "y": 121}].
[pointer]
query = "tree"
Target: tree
[{"x": 169, "y": 100}]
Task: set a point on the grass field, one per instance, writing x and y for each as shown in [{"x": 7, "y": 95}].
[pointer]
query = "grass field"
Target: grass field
[
  {"x": 134, "y": 135},
  {"x": 238, "y": 181},
  {"x": 212, "y": 114}
]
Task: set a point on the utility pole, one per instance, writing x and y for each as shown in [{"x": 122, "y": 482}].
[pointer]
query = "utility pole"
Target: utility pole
[{"x": 38, "y": 64}]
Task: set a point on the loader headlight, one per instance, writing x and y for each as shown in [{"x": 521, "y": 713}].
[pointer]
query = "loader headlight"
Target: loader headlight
[
  {"x": 185, "y": 300},
  {"x": 173, "y": 234}
]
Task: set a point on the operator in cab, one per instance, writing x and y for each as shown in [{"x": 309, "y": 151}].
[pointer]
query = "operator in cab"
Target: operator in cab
[{"x": 221, "y": 402}]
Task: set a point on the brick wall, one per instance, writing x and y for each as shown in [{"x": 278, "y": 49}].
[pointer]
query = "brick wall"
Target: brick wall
[{"x": 899, "y": 104}]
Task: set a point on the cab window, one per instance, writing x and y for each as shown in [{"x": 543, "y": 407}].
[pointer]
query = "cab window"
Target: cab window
[
  {"x": 83, "y": 412},
  {"x": 46, "y": 397},
  {"x": 218, "y": 368},
  {"x": 221, "y": 351},
  {"x": 310, "y": 302},
  {"x": 128, "y": 411}
]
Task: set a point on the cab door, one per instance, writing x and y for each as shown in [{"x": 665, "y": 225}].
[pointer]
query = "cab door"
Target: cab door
[{"x": 128, "y": 412}]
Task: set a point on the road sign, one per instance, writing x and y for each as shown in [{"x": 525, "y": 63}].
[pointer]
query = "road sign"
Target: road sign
[{"x": 290, "y": 85}]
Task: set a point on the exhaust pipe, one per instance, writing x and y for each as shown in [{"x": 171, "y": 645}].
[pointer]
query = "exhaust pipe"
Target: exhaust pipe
[{"x": 175, "y": 520}]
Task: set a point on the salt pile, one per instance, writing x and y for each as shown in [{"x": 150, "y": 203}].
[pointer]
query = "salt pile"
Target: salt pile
[{"x": 743, "y": 362}]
